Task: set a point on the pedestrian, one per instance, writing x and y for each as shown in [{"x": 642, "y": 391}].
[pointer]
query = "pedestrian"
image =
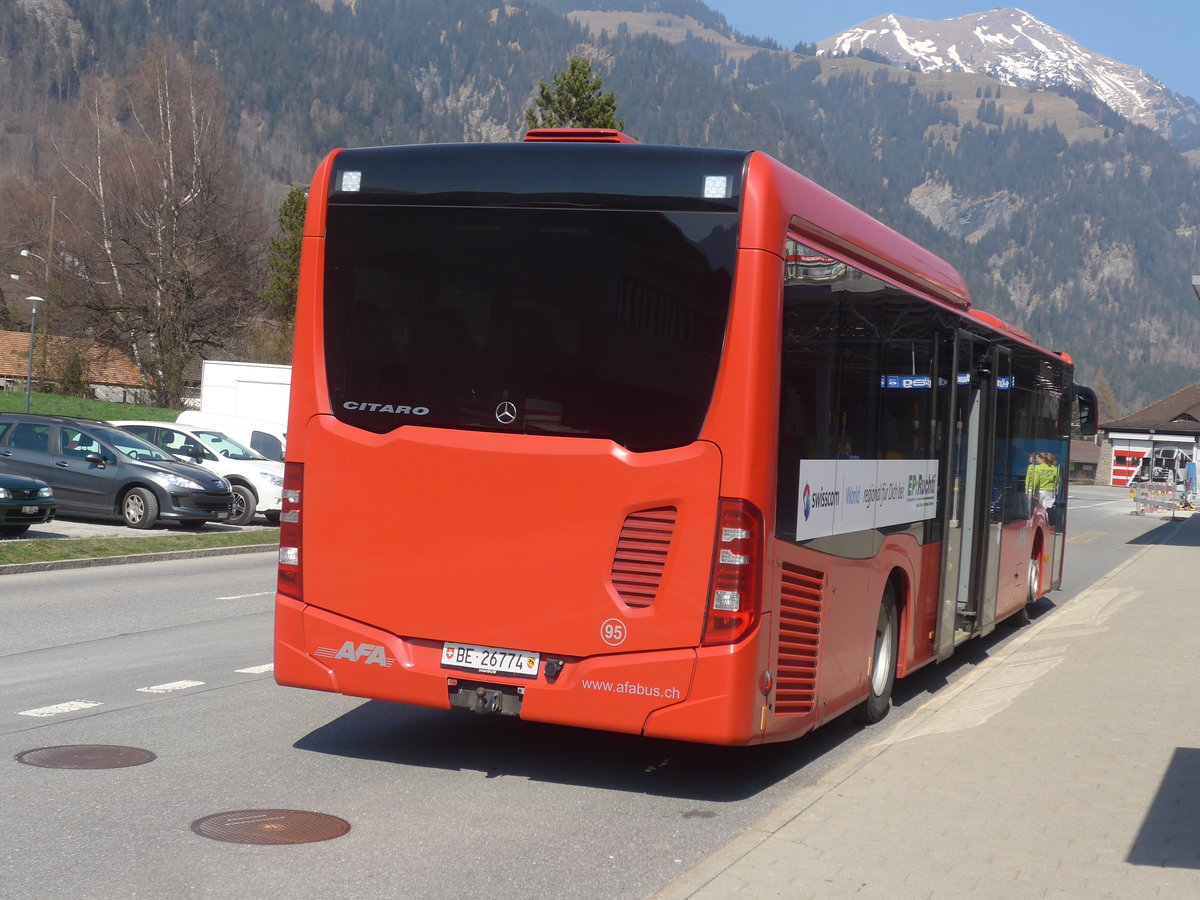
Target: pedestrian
[
  {"x": 1046, "y": 480},
  {"x": 1031, "y": 494}
]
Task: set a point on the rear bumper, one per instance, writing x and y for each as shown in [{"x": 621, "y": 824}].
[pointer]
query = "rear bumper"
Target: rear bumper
[{"x": 684, "y": 693}]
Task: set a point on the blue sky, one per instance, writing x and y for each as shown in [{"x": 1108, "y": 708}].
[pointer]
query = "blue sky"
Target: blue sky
[{"x": 1162, "y": 37}]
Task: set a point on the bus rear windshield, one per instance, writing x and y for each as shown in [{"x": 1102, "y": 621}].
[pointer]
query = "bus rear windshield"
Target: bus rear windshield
[{"x": 579, "y": 322}]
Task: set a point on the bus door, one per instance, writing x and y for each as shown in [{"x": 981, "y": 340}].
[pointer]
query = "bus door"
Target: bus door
[
  {"x": 998, "y": 496},
  {"x": 967, "y": 368}
]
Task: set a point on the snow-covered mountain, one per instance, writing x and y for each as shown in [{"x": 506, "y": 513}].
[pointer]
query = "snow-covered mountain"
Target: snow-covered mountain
[{"x": 1015, "y": 48}]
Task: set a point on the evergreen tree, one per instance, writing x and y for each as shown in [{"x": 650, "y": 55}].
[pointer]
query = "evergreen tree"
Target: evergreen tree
[
  {"x": 284, "y": 260},
  {"x": 575, "y": 101}
]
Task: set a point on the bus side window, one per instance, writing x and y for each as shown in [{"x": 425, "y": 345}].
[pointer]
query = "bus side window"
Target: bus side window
[{"x": 906, "y": 380}]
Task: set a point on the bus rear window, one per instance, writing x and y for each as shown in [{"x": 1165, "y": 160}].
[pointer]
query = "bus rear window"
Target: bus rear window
[{"x": 580, "y": 322}]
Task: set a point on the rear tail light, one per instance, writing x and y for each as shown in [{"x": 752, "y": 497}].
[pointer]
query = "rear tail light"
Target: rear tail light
[
  {"x": 735, "y": 595},
  {"x": 289, "y": 581}
]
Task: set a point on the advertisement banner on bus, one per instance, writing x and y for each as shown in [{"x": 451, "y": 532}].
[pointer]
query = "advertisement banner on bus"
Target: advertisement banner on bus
[{"x": 838, "y": 496}]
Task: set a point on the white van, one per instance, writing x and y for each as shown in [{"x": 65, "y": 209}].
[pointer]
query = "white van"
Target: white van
[
  {"x": 256, "y": 482},
  {"x": 267, "y": 438}
]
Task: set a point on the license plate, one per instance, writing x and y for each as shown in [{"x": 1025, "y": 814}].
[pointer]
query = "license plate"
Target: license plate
[
  {"x": 223, "y": 515},
  {"x": 29, "y": 510},
  {"x": 492, "y": 660}
]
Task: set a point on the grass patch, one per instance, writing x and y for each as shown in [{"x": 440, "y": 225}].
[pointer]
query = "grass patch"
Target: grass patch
[
  {"x": 54, "y": 405},
  {"x": 35, "y": 550}
]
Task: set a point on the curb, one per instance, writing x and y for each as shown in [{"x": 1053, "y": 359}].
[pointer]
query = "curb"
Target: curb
[{"x": 93, "y": 561}]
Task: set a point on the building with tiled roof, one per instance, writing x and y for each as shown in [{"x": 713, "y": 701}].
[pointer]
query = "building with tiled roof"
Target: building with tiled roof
[
  {"x": 1169, "y": 429},
  {"x": 1085, "y": 459},
  {"x": 110, "y": 373}
]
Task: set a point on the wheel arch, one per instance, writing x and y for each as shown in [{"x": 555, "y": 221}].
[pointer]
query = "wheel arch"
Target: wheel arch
[
  {"x": 898, "y": 558},
  {"x": 1038, "y": 552},
  {"x": 244, "y": 482},
  {"x": 900, "y": 581},
  {"x": 123, "y": 491}
]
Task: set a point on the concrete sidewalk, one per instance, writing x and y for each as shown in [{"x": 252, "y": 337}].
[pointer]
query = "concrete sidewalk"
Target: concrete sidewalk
[
  {"x": 1066, "y": 765},
  {"x": 62, "y": 528}
]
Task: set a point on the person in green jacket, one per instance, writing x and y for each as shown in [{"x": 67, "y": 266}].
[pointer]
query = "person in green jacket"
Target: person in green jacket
[
  {"x": 1045, "y": 479},
  {"x": 1031, "y": 495}
]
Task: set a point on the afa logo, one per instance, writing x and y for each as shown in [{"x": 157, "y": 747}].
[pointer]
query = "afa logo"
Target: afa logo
[
  {"x": 368, "y": 654},
  {"x": 807, "y": 501}
]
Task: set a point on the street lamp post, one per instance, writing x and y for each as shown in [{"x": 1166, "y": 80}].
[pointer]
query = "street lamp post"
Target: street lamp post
[
  {"x": 33, "y": 302},
  {"x": 45, "y": 262}
]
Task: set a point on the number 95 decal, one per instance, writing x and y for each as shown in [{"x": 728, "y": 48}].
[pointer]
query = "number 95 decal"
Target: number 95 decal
[{"x": 613, "y": 632}]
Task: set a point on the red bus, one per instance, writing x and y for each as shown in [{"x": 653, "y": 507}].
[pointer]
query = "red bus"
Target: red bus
[{"x": 658, "y": 440}]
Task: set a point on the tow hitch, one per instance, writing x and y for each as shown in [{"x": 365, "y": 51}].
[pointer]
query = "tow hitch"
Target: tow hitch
[{"x": 485, "y": 699}]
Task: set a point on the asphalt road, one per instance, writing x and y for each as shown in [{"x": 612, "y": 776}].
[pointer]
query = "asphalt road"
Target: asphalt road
[{"x": 172, "y": 658}]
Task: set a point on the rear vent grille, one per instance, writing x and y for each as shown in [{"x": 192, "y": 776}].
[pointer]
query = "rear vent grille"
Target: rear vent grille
[
  {"x": 642, "y": 553},
  {"x": 801, "y": 595}
]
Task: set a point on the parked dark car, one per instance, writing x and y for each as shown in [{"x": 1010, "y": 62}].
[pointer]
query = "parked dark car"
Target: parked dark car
[
  {"x": 23, "y": 502},
  {"x": 99, "y": 470}
]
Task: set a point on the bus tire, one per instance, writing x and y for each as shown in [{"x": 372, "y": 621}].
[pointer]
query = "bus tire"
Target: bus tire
[
  {"x": 883, "y": 661},
  {"x": 1032, "y": 592}
]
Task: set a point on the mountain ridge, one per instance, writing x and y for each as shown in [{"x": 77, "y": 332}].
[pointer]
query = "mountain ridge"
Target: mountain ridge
[{"x": 1015, "y": 48}]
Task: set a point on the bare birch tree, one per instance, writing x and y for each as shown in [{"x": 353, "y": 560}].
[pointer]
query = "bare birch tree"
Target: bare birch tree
[{"x": 162, "y": 246}]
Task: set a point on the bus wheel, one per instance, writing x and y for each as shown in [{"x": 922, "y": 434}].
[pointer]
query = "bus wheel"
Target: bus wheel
[
  {"x": 1032, "y": 593},
  {"x": 883, "y": 661}
]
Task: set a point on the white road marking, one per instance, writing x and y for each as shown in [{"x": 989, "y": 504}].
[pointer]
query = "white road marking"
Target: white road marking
[
  {"x": 170, "y": 686},
  {"x": 59, "y": 708},
  {"x": 247, "y": 596}
]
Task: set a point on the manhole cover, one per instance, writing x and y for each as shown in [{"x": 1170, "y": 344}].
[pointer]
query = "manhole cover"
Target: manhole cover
[
  {"x": 271, "y": 826},
  {"x": 85, "y": 756}
]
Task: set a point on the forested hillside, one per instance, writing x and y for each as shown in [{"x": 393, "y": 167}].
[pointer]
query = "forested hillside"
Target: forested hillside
[{"x": 1064, "y": 218}]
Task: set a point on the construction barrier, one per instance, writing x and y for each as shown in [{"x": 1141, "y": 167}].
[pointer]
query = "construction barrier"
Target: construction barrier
[{"x": 1148, "y": 497}]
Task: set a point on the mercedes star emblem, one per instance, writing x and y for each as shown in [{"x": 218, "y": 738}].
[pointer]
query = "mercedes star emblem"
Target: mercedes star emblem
[{"x": 506, "y": 413}]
